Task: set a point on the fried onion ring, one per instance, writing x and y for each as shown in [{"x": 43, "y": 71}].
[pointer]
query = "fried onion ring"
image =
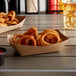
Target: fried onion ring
[
  {"x": 2, "y": 20},
  {"x": 48, "y": 39},
  {"x": 16, "y": 20},
  {"x": 5, "y": 17},
  {"x": 8, "y": 19},
  {"x": 48, "y": 30},
  {"x": 14, "y": 39},
  {"x": 3, "y": 24},
  {"x": 37, "y": 39},
  {"x": 11, "y": 23},
  {"x": 2, "y": 14},
  {"x": 27, "y": 40},
  {"x": 24, "y": 40},
  {"x": 32, "y": 31},
  {"x": 11, "y": 15},
  {"x": 31, "y": 37}
]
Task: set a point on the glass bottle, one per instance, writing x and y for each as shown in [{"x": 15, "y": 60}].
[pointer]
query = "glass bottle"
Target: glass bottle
[
  {"x": 52, "y": 7},
  {"x": 4, "y": 6},
  {"x": 31, "y": 6},
  {"x": 14, "y": 5}
]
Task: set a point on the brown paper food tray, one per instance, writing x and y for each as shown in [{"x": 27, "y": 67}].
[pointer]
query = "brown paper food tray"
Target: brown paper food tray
[
  {"x": 25, "y": 50},
  {"x": 12, "y": 27}
]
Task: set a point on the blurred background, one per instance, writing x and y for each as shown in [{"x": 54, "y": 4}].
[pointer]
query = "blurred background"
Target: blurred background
[{"x": 32, "y": 6}]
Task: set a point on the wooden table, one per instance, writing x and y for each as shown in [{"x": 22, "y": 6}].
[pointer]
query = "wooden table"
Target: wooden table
[{"x": 65, "y": 60}]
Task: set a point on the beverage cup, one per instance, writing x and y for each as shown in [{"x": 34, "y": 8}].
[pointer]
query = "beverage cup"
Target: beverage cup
[{"x": 69, "y": 7}]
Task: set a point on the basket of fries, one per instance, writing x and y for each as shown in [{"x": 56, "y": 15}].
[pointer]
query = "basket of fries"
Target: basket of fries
[
  {"x": 32, "y": 42},
  {"x": 10, "y": 21}
]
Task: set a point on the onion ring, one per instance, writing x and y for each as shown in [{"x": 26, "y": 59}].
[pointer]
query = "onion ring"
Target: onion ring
[
  {"x": 32, "y": 31},
  {"x": 16, "y": 20},
  {"x": 2, "y": 20},
  {"x": 27, "y": 40},
  {"x": 31, "y": 37},
  {"x": 14, "y": 39},
  {"x": 3, "y": 24},
  {"x": 2, "y": 14},
  {"x": 48, "y": 30},
  {"x": 11, "y": 23},
  {"x": 37, "y": 39},
  {"x": 48, "y": 39},
  {"x": 5, "y": 18},
  {"x": 11, "y": 15}
]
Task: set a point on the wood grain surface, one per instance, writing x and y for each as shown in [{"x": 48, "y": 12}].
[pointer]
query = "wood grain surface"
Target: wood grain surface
[{"x": 65, "y": 59}]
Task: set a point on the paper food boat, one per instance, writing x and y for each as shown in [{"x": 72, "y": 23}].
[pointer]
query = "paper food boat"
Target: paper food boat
[
  {"x": 25, "y": 50},
  {"x": 12, "y": 27}
]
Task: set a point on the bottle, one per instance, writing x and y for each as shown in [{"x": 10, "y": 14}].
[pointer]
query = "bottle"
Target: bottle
[
  {"x": 54, "y": 7},
  {"x": 31, "y": 6},
  {"x": 14, "y": 5},
  {"x": 4, "y": 6}
]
